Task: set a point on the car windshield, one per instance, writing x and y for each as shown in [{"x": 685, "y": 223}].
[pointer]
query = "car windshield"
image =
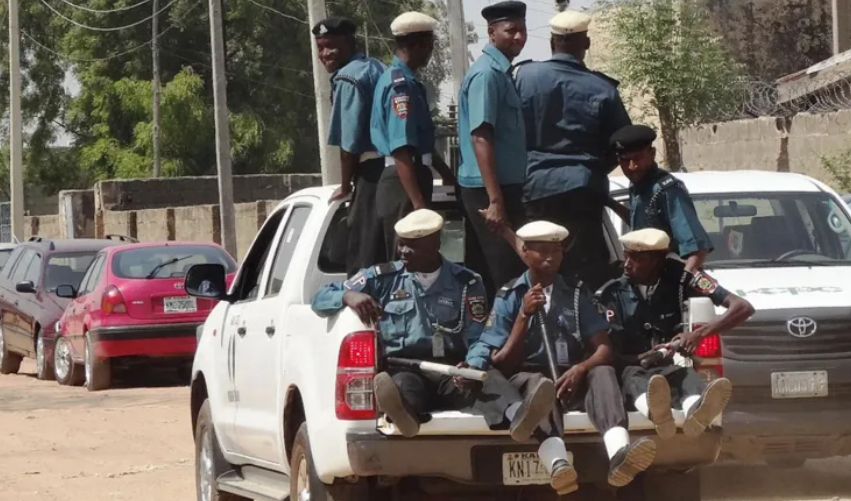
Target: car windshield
[
  {"x": 167, "y": 261},
  {"x": 782, "y": 229},
  {"x": 66, "y": 268},
  {"x": 4, "y": 256}
]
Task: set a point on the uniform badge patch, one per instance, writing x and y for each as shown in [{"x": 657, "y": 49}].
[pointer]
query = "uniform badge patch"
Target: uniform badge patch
[
  {"x": 476, "y": 304},
  {"x": 356, "y": 282},
  {"x": 400, "y": 106},
  {"x": 703, "y": 283},
  {"x": 400, "y": 294},
  {"x": 610, "y": 314}
]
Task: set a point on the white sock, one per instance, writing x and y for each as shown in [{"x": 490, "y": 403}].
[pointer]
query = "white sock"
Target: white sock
[
  {"x": 615, "y": 439},
  {"x": 512, "y": 410},
  {"x": 689, "y": 402},
  {"x": 641, "y": 405},
  {"x": 551, "y": 450}
]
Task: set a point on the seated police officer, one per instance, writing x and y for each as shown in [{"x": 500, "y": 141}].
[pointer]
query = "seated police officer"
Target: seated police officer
[
  {"x": 574, "y": 327},
  {"x": 427, "y": 308},
  {"x": 644, "y": 309},
  {"x": 656, "y": 198}
]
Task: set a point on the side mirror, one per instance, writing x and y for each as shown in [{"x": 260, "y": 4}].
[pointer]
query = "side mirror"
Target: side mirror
[
  {"x": 25, "y": 287},
  {"x": 206, "y": 281},
  {"x": 66, "y": 291}
]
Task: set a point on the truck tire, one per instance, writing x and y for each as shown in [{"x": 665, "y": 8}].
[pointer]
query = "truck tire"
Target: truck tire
[
  {"x": 209, "y": 462},
  {"x": 304, "y": 484},
  {"x": 10, "y": 363},
  {"x": 663, "y": 486},
  {"x": 98, "y": 372}
]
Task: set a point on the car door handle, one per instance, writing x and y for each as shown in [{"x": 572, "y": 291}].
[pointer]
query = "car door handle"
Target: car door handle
[
  {"x": 241, "y": 331},
  {"x": 270, "y": 330}
]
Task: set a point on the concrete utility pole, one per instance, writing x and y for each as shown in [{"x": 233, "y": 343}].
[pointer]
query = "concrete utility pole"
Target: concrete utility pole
[
  {"x": 329, "y": 157},
  {"x": 841, "y": 25},
  {"x": 155, "y": 49},
  {"x": 16, "y": 142},
  {"x": 457, "y": 44},
  {"x": 220, "y": 102}
]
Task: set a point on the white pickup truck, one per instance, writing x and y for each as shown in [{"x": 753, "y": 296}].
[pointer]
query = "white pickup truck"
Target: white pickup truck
[
  {"x": 282, "y": 400},
  {"x": 783, "y": 242}
]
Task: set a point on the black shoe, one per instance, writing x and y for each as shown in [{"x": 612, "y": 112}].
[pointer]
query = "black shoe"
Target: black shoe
[
  {"x": 563, "y": 477},
  {"x": 712, "y": 402},
  {"x": 659, "y": 403},
  {"x": 389, "y": 400},
  {"x": 535, "y": 407},
  {"x": 630, "y": 461}
]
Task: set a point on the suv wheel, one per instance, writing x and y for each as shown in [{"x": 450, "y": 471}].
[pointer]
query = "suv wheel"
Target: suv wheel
[
  {"x": 67, "y": 372},
  {"x": 305, "y": 485},
  {"x": 209, "y": 462},
  {"x": 43, "y": 363},
  {"x": 98, "y": 372},
  {"x": 10, "y": 362}
]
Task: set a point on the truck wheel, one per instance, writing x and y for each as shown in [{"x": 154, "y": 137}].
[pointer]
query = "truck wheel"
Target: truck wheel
[
  {"x": 785, "y": 463},
  {"x": 67, "y": 372},
  {"x": 10, "y": 362},
  {"x": 98, "y": 372},
  {"x": 209, "y": 462},
  {"x": 43, "y": 363},
  {"x": 305, "y": 485}
]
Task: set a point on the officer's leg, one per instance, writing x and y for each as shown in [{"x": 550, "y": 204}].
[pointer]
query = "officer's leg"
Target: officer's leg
[
  {"x": 701, "y": 402},
  {"x": 405, "y": 397},
  {"x": 391, "y": 201},
  {"x": 587, "y": 255},
  {"x": 366, "y": 234},
  {"x": 474, "y": 256},
  {"x": 649, "y": 392}
]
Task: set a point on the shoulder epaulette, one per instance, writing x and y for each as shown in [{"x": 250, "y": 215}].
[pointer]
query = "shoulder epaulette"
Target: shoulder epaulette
[
  {"x": 502, "y": 292},
  {"x": 466, "y": 275},
  {"x": 513, "y": 70},
  {"x": 668, "y": 181},
  {"x": 606, "y": 286},
  {"x": 352, "y": 80},
  {"x": 385, "y": 268},
  {"x": 397, "y": 78}
]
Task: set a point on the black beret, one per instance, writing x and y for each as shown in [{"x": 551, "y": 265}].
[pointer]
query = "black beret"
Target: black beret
[
  {"x": 631, "y": 138},
  {"x": 334, "y": 26},
  {"x": 504, "y": 11}
]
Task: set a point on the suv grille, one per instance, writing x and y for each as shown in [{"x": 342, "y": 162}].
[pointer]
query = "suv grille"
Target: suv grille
[{"x": 769, "y": 340}]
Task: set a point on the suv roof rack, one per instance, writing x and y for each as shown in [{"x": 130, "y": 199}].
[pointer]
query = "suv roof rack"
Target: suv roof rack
[
  {"x": 35, "y": 238},
  {"x": 122, "y": 238}
]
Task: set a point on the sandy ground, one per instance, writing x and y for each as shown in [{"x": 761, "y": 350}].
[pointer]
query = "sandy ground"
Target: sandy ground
[{"x": 134, "y": 444}]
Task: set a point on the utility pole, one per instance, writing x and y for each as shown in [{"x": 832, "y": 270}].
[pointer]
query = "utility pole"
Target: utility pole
[
  {"x": 220, "y": 102},
  {"x": 841, "y": 25},
  {"x": 366, "y": 38},
  {"x": 457, "y": 44},
  {"x": 329, "y": 157},
  {"x": 16, "y": 143},
  {"x": 156, "y": 84}
]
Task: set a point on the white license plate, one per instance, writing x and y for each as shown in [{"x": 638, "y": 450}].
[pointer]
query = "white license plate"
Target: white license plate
[
  {"x": 523, "y": 468},
  {"x": 182, "y": 304},
  {"x": 809, "y": 384}
]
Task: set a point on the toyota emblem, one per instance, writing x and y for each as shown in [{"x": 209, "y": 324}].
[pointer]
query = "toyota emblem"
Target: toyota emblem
[{"x": 801, "y": 326}]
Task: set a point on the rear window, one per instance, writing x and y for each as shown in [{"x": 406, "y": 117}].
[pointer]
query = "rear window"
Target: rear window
[
  {"x": 167, "y": 262},
  {"x": 4, "y": 256},
  {"x": 66, "y": 268}
]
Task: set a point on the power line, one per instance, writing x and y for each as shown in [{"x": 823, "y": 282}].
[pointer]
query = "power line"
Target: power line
[
  {"x": 95, "y": 28},
  {"x": 375, "y": 25},
  {"x": 106, "y": 11},
  {"x": 301, "y": 72},
  {"x": 288, "y": 16}
]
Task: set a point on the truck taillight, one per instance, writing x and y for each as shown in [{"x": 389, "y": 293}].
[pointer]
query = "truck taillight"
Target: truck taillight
[
  {"x": 709, "y": 359},
  {"x": 113, "y": 301},
  {"x": 355, "y": 399},
  {"x": 709, "y": 347}
]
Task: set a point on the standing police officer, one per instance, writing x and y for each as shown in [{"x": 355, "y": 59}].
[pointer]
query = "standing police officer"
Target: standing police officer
[
  {"x": 570, "y": 114},
  {"x": 493, "y": 144},
  {"x": 353, "y": 79},
  {"x": 645, "y": 310},
  {"x": 656, "y": 198},
  {"x": 402, "y": 129},
  {"x": 427, "y": 308}
]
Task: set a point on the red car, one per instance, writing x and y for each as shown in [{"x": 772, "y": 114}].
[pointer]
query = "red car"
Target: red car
[{"x": 131, "y": 309}]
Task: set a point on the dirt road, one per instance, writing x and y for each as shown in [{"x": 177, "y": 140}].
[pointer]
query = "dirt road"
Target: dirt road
[{"x": 134, "y": 444}]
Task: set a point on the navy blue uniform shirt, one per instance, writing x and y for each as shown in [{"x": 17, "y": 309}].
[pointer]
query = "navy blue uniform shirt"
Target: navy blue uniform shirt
[{"x": 352, "y": 91}]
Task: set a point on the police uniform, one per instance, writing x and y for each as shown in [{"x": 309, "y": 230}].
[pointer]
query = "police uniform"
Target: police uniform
[
  {"x": 570, "y": 112},
  {"x": 401, "y": 118},
  {"x": 660, "y": 200},
  {"x": 435, "y": 323},
  {"x": 643, "y": 317},
  {"x": 488, "y": 97},
  {"x": 571, "y": 320},
  {"x": 353, "y": 88}
]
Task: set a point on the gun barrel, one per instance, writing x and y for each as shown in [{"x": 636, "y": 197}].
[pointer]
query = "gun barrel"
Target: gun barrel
[{"x": 442, "y": 369}]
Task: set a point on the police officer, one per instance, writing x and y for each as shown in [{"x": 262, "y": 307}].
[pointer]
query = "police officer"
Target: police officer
[
  {"x": 644, "y": 308},
  {"x": 575, "y": 327},
  {"x": 570, "y": 112},
  {"x": 402, "y": 129},
  {"x": 656, "y": 198},
  {"x": 353, "y": 79},
  {"x": 493, "y": 147},
  {"x": 427, "y": 308}
]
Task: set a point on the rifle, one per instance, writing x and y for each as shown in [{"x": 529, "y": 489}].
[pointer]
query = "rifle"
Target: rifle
[{"x": 442, "y": 369}]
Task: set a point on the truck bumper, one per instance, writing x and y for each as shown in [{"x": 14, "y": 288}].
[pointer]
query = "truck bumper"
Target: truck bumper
[{"x": 478, "y": 460}]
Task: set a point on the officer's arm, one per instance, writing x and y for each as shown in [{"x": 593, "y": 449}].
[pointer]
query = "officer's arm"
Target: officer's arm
[
  {"x": 513, "y": 326},
  {"x": 329, "y": 299},
  {"x": 615, "y": 117},
  {"x": 594, "y": 328},
  {"x": 738, "y": 308},
  {"x": 402, "y": 134},
  {"x": 483, "y": 99},
  {"x": 346, "y": 129},
  {"x": 616, "y": 333},
  {"x": 694, "y": 242},
  {"x": 477, "y": 311}
]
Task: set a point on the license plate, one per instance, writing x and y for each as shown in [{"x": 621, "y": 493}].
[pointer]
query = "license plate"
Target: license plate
[
  {"x": 182, "y": 304},
  {"x": 523, "y": 468},
  {"x": 809, "y": 384}
]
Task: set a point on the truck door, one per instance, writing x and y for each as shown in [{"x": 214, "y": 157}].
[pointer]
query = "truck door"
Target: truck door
[{"x": 258, "y": 375}]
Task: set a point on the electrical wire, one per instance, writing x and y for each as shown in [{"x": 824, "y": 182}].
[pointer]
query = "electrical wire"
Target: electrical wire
[
  {"x": 96, "y": 28},
  {"x": 106, "y": 11},
  {"x": 302, "y": 21}
]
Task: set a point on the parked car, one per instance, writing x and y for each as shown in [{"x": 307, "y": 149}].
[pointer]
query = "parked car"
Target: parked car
[
  {"x": 6, "y": 251},
  {"x": 29, "y": 306},
  {"x": 130, "y": 309}
]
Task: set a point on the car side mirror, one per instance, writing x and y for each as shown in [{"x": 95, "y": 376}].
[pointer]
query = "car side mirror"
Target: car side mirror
[
  {"x": 66, "y": 291},
  {"x": 25, "y": 287},
  {"x": 207, "y": 281}
]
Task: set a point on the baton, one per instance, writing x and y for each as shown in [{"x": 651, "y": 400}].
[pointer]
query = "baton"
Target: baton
[
  {"x": 442, "y": 369},
  {"x": 658, "y": 355}
]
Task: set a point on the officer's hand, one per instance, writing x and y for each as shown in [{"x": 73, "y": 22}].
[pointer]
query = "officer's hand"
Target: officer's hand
[
  {"x": 464, "y": 383},
  {"x": 688, "y": 341},
  {"x": 570, "y": 381},
  {"x": 342, "y": 191},
  {"x": 448, "y": 178},
  {"x": 495, "y": 216},
  {"x": 367, "y": 309},
  {"x": 533, "y": 300}
]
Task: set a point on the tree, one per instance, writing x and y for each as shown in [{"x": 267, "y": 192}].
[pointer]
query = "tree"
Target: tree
[{"x": 666, "y": 53}]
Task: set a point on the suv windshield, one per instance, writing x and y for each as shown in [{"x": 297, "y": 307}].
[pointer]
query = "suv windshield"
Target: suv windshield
[
  {"x": 167, "y": 261},
  {"x": 4, "y": 256},
  {"x": 782, "y": 229},
  {"x": 66, "y": 268}
]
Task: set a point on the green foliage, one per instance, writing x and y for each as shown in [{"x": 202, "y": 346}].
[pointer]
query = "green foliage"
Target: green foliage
[{"x": 839, "y": 168}]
